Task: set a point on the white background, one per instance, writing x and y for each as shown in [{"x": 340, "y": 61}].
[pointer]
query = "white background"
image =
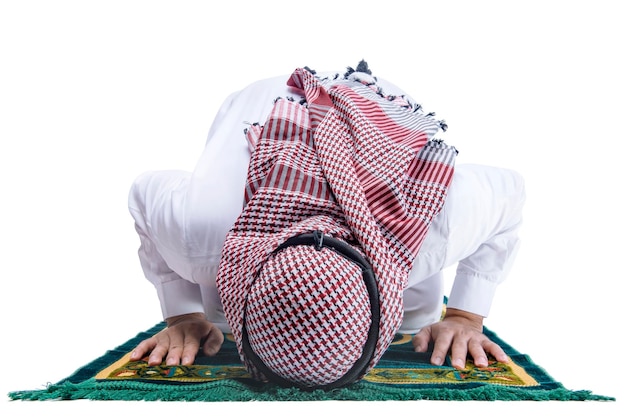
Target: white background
[{"x": 94, "y": 93}]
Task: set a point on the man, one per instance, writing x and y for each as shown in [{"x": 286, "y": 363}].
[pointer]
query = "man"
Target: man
[{"x": 322, "y": 232}]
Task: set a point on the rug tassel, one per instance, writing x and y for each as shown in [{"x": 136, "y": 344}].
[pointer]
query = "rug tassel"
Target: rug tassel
[{"x": 237, "y": 391}]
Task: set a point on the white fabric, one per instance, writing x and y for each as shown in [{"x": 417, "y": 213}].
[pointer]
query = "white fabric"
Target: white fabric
[
  {"x": 182, "y": 220},
  {"x": 478, "y": 230}
]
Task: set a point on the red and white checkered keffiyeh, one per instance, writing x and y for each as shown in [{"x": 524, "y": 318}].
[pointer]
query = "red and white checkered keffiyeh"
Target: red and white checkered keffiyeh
[{"x": 354, "y": 164}]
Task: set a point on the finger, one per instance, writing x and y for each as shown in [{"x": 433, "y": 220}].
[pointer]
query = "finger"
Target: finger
[
  {"x": 190, "y": 350},
  {"x": 174, "y": 349},
  {"x": 496, "y": 351},
  {"x": 422, "y": 339},
  {"x": 478, "y": 354},
  {"x": 441, "y": 348},
  {"x": 213, "y": 343},
  {"x": 459, "y": 352},
  {"x": 159, "y": 351},
  {"x": 142, "y": 349}
]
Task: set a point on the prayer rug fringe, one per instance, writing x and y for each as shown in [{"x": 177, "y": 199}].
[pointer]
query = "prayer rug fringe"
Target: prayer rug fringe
[{"x": 231, "y": 390}]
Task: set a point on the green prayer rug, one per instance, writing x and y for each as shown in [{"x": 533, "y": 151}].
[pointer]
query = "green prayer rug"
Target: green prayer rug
[{"x": 401, "y": 374}]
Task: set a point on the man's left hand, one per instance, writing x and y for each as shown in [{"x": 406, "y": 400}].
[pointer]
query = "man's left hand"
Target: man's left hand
[{"x": 460, "y": 333}]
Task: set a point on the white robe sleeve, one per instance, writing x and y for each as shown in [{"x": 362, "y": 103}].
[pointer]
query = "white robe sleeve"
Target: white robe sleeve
[{"x": 154, "y": 205}]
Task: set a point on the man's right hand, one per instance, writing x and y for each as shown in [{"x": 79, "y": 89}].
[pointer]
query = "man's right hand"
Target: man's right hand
[{"x": 180, "y": 341}]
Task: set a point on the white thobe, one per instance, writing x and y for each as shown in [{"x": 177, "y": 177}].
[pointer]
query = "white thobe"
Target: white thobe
[{"x": 182, "y": 219}]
